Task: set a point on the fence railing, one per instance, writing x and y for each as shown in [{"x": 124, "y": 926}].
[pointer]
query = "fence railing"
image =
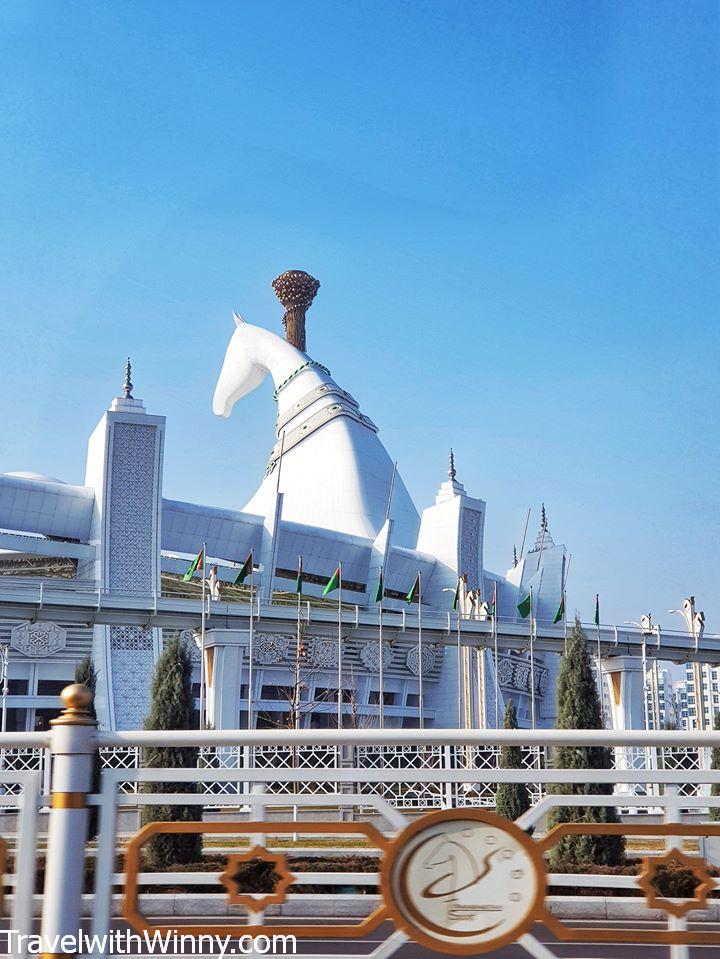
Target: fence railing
[{"x": 373, "y": 826}]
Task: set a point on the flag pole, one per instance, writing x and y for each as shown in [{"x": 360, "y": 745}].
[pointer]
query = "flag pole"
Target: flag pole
[
  {"x": 339, "y": 649},
  {"x": 381, "y": 677},
  {"x": 273, "y": 550},
  {"x": 527, "y": 521},
  {"x": 250, "y": 647},
  {"x": 482, "y": 699},
  {"x": 599, "y": 657},
  {"x": 532, "y": 662},
  {"x": 460, "y": 670},
  {"x": 202, "y": 642},
  {"x": 564, "y": 596},
  {"x": 296, "y": 691},
  {"x": 495, "y": 651},
  {"x": 420, "y": 656}
]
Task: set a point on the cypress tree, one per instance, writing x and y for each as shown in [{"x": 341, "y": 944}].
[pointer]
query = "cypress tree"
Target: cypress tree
[
  {"x": 171, "y": 708},
  {"x": 511, "y": 799},
  {"x": 86, "y": 675},
  {"x": 580, "y": 708},
  {"x": 714, "y": 814}
]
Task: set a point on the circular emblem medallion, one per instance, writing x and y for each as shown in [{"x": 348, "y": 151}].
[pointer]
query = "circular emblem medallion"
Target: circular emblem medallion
[{"x": 463, "y": 881}]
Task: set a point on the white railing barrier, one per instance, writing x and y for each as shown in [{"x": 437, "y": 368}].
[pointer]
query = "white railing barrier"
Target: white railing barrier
[{"x": 306, "y": 771}]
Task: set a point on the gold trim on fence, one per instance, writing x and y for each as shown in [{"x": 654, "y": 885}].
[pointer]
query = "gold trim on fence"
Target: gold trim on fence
[
  {"x": 658, "y": 937},
  {"x": 255, "y": 901},
  {"x": 76, "y": 800},
  {"x": 704, "y": 883},
  {"x": 459, "y": 881},
  {"x": 130, "y": 906}
]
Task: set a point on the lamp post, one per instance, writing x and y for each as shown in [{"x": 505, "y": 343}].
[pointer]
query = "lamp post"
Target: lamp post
[
  {"x": 646, "y": 628},
  {"x": 5, "y": 678},
  {"x": 695, "y": 622}
]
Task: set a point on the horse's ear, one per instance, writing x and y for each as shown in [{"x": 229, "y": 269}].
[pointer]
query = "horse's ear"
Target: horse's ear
[{"x": 239, "y": 320}]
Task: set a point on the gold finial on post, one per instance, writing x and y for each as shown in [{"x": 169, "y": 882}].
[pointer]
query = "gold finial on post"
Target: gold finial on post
[{"x": 77, "y": 700}]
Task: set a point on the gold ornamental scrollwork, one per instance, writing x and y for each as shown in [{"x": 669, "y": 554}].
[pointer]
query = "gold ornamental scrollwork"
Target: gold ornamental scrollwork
[
  {"x": 139, "y": 923},
  {"x": 459, "y": 881},
  {"x": 657, "y": 937}
]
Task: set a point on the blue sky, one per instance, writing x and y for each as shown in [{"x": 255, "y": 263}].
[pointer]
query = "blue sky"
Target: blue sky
[{"x": 512, "y": 208}]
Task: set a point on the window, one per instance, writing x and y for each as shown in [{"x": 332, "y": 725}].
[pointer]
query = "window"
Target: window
[
  {"x": 42, "y": 718},
  {"x": 410, "y": 722},
  {"x": 412, "y": 699},
  {"x": 281, "y": 693},
  {"x": 323, "y": 720},
  {"x": 374, "y": 698},
  {"x": 18, "y": 687},
  {"x": 271, "y": 719},
  {"x": 331, "y": 695},
  {"x": 16, "y": 720},
  {"x": 52, "y": 687}
]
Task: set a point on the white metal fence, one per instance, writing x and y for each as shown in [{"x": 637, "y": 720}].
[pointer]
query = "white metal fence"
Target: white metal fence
[{"x": 338, "y": 788}]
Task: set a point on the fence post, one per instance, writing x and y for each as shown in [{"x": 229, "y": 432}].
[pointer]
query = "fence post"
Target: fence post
[{"x": 73, "y": 746}]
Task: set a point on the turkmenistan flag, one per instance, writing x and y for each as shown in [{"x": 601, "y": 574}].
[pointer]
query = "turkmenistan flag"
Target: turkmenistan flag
[
  {"x": 525, "y": 606},
  {"x": 333, "y": 582},
  {"x": 414, "y": 590},
  {"x": 597, "y": 609},
  {"x": 561, "y": 610},
  {"x": 299, "y": 579},
  {"x": 456, "y": 597},
  {"x": 197, "y": 564},
  {"x": 379, "y": 590},
  {"x": 245, "y": 570},
  {"x": 492, "y": 605}
]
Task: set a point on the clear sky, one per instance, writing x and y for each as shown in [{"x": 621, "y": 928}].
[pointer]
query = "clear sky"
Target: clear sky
[{"x": 512, "y": 208}]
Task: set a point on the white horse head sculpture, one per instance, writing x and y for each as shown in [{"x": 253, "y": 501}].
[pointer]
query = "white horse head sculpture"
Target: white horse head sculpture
[
  {"x": 252, "y": 353},
  {"x": 336, "y": 473}
]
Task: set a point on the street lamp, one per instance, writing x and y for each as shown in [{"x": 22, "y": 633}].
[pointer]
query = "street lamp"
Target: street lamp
[
  {"x": 462, "y": 689},
  {"x": 695, "y": 622},
  {"x": 646, "y": 628}
]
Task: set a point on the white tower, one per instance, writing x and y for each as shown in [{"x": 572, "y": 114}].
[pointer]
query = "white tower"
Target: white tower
[{"x": 124, "y": 468}]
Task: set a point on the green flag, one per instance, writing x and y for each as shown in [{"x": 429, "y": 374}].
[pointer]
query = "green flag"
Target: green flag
[
  {"x": 245, "y": 571},
  {"x": 561, "y": 610},
  {"x": 597, "y": 609},
  {"x": 379, "y": 590},
  {"x": 333, "y": 583},
  {"x": 492, "y": 605},
  {"x": 414, "y": 590},
  {"x": 197, "y": 564},
  {"x": 525, "y": 606},
  {"x": 456, "y": 597},
  {"x": 299, "y": 578}
]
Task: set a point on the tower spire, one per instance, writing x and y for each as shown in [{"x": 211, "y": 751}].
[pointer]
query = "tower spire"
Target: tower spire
[
  {"x": 544, "y": 540},
  {"x": 127, "y": 385},
  {"x": 452, "y": 473},
  {"x": 515, "y": 559}
]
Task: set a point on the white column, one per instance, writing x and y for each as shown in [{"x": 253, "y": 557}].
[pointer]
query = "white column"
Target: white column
[{"x": 73, "y": 746}]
